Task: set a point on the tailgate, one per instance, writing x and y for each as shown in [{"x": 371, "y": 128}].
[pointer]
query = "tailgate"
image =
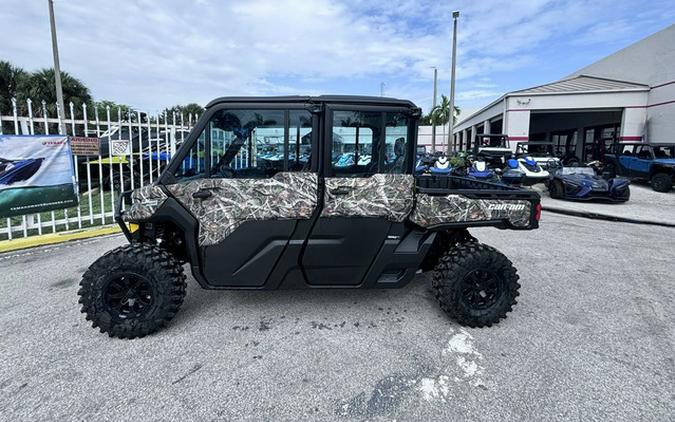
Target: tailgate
[{"x": 461, "y": 202}]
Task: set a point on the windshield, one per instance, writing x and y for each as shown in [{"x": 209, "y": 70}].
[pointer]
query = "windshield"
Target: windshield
[
  {"x": 578, "y": 170},
  {"x": 493, "y": 141},
  {"x": 535, "y": 149}
]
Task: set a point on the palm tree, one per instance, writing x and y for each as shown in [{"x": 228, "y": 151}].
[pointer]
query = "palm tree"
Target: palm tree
[
  {"x": 10, "y": 79},
  {"x": 40, "y": 86},
  {"x": 441, "y": 115}
]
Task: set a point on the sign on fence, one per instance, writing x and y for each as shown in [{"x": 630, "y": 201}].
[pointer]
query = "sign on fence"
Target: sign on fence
[
  {"x": 85, "y": 145},
  {"x": 36, "y": 174},
  {"x": 120, "y": 147}
]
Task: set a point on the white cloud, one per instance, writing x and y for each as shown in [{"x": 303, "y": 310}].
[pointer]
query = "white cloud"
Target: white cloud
[{"x": 152, "y": 54}]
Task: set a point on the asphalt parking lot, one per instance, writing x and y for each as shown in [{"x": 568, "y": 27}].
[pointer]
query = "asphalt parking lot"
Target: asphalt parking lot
[{"x": 592, "y": 338}]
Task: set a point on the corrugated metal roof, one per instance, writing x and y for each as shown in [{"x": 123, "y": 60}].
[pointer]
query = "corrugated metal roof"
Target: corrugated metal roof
[{"x": 583, "y": 83}]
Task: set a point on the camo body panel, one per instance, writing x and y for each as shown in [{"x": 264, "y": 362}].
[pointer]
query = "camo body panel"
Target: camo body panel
[
  {"x": 144, "y": 203},
  {"x": 434, "y": 210},
  {"x": 381, "y": 195},
  {"x": 235, "y": 201}
]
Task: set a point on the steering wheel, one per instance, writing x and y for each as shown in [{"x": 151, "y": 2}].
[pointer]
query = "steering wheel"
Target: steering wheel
[{"x": 553, "y": 165}]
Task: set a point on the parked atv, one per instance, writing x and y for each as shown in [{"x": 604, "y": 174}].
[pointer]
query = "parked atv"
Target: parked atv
[
  {"x": 358, "y": 226},
  {"x": 492, "y": 148}
]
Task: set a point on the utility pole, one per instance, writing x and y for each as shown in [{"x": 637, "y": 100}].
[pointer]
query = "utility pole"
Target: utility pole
[
  {"x": 381, "y": 89},
  {"x": 57, "y": 68},
  {"x": 451, "y": 122},
  {"x": 433, "y": 106}
]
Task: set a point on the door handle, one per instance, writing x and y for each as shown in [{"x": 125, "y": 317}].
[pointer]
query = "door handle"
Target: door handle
[
  {"x": 202, "y": 194},
  {"x": 341, "y": 190}
]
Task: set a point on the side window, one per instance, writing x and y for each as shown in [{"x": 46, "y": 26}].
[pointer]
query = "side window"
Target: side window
[
  {"x": 396, "y": 143},
  {"x": 627, "y": 149},
  {"x": 247, "y": 143},
  {"x": 299, "y": 140},
  {"x": 193, "y": 165},
  {"x": 355, "y": 142},
  {"x": 644, "y": 152}
]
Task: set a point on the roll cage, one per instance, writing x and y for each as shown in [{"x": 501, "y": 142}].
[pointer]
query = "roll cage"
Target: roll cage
[{"x": 320, "y": 107}]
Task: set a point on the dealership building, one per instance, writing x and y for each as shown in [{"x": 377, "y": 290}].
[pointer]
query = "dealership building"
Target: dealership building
[{"x": 627, "y": 96}]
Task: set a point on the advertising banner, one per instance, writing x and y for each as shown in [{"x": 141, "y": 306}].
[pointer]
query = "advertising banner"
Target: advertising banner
[{"x": 36, "y": 174}]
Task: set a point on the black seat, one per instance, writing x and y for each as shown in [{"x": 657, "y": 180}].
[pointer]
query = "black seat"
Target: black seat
[{"x": 399, "y": 153}]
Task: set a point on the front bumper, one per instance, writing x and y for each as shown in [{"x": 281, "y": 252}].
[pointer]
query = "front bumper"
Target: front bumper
[
  {"x": 580, "y": 194},
  {"x": 125, "y": 198}
]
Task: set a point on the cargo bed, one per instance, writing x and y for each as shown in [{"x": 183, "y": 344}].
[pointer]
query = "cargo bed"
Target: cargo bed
[{"x": 451, "y": 201}]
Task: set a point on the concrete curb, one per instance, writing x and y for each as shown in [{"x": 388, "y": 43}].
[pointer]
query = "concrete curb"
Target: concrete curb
[
  {"x": 605, "y": 217},
  {"x": 54, "y": 238}
]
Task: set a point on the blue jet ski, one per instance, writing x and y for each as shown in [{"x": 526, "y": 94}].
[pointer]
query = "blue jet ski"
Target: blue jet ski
[
  {"x": 512, "y": 174},
  {"x": 441, "y": 166},
  {"x": 479, "y": 170},
  {"x": 12, "y": 171}
]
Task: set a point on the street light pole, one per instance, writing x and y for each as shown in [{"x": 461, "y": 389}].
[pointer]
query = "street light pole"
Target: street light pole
[
  {"x": 451, "y": 122},
  {"x": 57, "y": 67},
  {"x": 381, "y": 89},
  {"x": 433, "y": 106}
]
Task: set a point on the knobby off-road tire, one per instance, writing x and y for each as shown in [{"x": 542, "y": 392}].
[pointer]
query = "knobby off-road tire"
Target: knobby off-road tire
[
  {"x": 556, "y": 189},
  {"x": 662, "y": 182},
  {"x": 444, "y": 240},
  {"x": 475, "y": 284},
  {"x": 132, "y": 291}
]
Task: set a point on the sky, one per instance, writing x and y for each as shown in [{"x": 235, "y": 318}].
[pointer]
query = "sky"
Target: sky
[{"x": 151, "y": 54}]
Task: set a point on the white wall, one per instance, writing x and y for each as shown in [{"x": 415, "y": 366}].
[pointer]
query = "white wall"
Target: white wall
[
  {"x": 496, "y": 109},
  {"x": 650, "y": 61},
  {"x": 578, "y": 101},
  {"x": 424, "y": 137},
  {"x": 517, "y": 124}
]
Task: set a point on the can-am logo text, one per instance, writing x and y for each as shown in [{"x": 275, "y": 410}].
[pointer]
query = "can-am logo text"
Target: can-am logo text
[{"x": 506, "y": 207}]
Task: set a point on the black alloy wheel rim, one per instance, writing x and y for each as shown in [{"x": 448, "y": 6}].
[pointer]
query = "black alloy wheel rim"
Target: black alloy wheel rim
[
  {"x": 128, "y": 295},
  {"x": 481, "y": 289}
]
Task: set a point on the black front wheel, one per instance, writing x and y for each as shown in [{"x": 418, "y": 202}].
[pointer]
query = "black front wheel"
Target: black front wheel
[
  {"x": 556, "y": 189},
  {"x": 475, "y": 284},
  {"x": 132, "y": 291}
]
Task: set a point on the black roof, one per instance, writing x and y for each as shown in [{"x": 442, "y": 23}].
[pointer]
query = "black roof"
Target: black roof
[{"x": 347, "y": 99}]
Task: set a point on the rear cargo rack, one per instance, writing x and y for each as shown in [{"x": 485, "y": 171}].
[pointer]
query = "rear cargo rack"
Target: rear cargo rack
[{"x": 472, "y": 188}]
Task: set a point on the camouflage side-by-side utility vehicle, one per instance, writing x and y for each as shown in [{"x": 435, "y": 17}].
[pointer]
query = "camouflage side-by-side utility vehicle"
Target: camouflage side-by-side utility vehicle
[{"x": 304, "y": 192}]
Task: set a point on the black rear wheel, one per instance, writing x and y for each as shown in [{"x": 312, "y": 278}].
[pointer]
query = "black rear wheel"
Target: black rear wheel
[
  {"x": 662, "y": 182},
  {"x": 444, "y": 240},
  {"x": 132, "y": 291},
  {"x": 475, "y": 284}
]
